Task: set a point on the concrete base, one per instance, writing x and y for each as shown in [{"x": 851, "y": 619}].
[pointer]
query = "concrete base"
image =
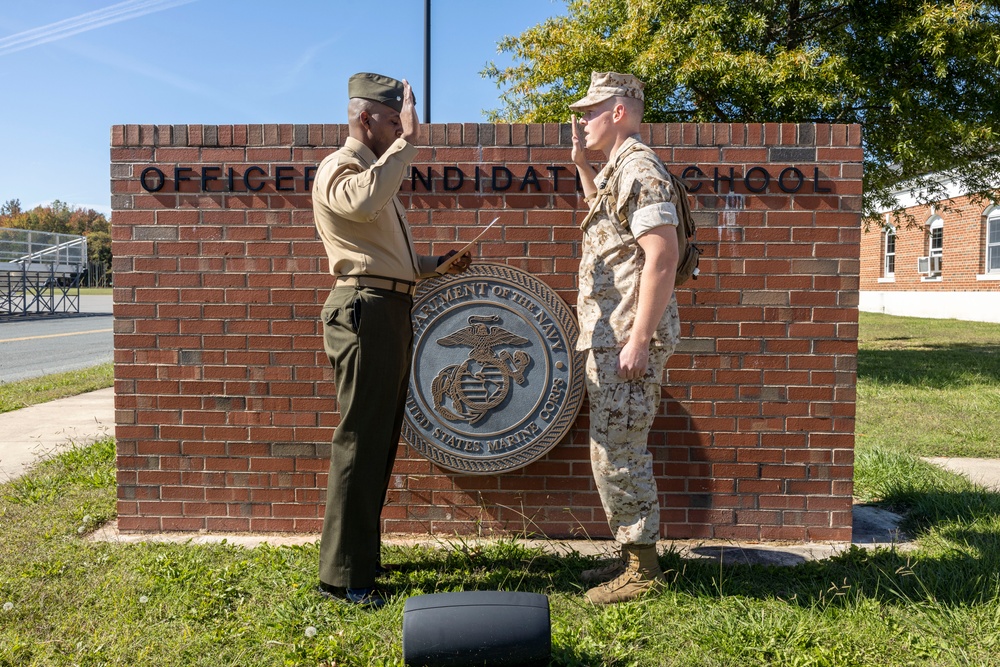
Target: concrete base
[
  {"x": 873, "y": 527},
  {"x": 970, "y": 306}
]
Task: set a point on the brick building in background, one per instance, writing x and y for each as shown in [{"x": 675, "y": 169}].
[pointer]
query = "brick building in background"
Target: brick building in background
[
  {"x": 224, "y": 401},
  {"x": 938, "y": 261}
]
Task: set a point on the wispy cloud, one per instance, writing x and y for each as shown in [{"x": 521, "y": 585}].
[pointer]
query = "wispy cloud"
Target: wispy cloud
[
  {"x": 114, "y": 59},
  {"x": 123, "y": 11},
  {"x": 293, "y": 75}
]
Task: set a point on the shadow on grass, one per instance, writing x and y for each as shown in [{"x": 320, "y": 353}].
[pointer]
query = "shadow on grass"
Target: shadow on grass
[
  {"x": 890, "y": 576},
  {"x": 958, "y": 562},
  {"x": 937, "y": 366},
  {"x": 949, "y": 578},
  {"x": 958, "y": 565},
  {"x": 938, "y": 509}
]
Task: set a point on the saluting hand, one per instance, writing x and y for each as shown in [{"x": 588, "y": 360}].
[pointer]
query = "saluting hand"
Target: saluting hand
[
  {"x": 579, "y": 151},
  {"x": 408, "y": 115},
  {"x": 578, "y": 154}
]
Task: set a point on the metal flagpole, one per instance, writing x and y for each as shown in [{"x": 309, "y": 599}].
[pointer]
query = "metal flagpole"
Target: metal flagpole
[{"x": 427, "y": 61}]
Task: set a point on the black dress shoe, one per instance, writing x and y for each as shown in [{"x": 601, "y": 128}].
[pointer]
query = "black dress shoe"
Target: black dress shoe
[{"x": 368, "y": 598}]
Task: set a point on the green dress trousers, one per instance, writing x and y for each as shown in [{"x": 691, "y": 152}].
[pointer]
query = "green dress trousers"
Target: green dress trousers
[{"x": 368, "y": 337}]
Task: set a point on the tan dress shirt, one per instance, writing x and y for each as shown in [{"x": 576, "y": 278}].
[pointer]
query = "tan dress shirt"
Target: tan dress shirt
[{"x": 359, "y": 217}]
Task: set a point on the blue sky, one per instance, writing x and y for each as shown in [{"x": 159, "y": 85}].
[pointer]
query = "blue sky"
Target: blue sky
[{"x": 73, "y": 68}]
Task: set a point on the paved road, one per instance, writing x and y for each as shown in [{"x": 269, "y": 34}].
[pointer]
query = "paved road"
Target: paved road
[{"x": 43, "y": 344}]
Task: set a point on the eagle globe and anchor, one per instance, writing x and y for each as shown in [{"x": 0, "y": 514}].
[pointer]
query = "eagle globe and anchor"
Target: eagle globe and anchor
[
  {"x": 496, "y": 381},
  {"x": 481, "y": 382}
]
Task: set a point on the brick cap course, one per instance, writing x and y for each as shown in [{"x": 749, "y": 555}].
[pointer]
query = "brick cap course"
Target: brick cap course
[{"x": 485, "y": 134}]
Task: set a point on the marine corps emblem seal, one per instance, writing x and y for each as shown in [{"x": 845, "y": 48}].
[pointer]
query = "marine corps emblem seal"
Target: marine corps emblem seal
[{"x": 496, "y": 382}]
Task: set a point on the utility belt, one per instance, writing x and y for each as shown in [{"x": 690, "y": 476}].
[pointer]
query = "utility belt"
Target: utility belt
[{"x": 377, "y": 282}]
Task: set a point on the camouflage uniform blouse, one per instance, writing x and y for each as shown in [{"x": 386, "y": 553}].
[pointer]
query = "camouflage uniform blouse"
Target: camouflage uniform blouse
[{"x": 636, "y": 183}]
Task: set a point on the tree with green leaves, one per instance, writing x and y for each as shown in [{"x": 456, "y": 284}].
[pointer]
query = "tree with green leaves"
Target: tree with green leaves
[{"x": 921, "y": 76}]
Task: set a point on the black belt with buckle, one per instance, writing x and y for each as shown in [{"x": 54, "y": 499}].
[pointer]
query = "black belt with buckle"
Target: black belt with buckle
[{"x": 377, "y": 282}]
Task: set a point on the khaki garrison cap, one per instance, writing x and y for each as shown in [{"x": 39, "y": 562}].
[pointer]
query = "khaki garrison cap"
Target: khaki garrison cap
[
  {"x": 377, "y": 88},
  {"x": 610, "y": 84}
]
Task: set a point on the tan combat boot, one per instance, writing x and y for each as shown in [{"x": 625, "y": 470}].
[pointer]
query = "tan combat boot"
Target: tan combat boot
[
  {"x": 642, "y": 573},
  {"x": 599, "y": 575}
]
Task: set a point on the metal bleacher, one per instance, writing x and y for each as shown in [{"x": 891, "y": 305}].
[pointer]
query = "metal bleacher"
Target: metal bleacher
[{"x": 40, "y": 272}]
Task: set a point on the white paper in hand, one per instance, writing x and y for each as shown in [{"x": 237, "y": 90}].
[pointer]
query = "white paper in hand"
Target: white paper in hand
[{"x": 443, "y": 267}]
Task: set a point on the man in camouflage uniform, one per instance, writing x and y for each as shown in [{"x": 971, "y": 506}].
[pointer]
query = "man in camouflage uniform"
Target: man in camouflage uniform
[{"x": 628, "y": 320}]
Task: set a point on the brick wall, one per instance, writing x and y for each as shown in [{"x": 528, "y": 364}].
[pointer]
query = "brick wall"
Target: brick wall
[
  {"x": 963, "y": 254},
  {"x": 224, "y": 400}
]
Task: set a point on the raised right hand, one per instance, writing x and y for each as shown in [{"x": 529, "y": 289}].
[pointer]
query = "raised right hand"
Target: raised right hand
[
  {"x": 579, "y": 151},
  {"x": 408, "y": 115}
]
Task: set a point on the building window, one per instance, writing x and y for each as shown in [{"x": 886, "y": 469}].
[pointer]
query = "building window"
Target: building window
[
  {"x": 935, "y": 247},
  {"x": 993, "y": 242},
  {"x": 889, "y": 252}
]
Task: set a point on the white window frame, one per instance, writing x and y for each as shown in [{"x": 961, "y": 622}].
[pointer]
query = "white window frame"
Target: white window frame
[
  {"x": 935, "y": 223},
  {"x": 888, "y": 231},
  {"x": 888, "y": 258},
  {"x": 992, "y": 225}
]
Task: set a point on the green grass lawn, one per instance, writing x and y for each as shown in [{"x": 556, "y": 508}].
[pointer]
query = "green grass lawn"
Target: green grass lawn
[
  {"x": 67, "y": 601},
  {"x": 929, "y": 387},
  {"x": 21, "y": 394}
]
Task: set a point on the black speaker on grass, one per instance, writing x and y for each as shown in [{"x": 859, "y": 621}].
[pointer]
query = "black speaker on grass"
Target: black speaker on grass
[{"x": 477, "y": 628}]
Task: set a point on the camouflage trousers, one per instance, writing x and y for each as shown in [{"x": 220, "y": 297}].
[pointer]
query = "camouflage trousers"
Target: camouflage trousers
[{"x": 621, "y": 414}]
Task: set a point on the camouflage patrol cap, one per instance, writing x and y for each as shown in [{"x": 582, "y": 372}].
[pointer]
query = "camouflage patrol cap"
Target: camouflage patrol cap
[
  {"x": 377, "y": 88},
  {"x": 610, "y": 84}
]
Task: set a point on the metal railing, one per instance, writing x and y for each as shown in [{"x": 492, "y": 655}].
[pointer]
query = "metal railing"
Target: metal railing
[
  {"x": 31, "y": 248},
  {"x": 40, "y": 271}
]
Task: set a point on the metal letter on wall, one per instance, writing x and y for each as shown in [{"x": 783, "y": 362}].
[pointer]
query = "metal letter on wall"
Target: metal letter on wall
[{"x": 496, "y": 381}]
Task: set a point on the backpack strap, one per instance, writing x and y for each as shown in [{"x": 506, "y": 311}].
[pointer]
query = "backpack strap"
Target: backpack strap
[
  {"x": 688, "y": 253},
  {"x": 604, "y": 189},
  {"x": 685, "y": 223}
]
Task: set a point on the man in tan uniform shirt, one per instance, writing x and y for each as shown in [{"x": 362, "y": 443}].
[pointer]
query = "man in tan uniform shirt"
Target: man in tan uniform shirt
[{"x": 368, "y": 334}]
